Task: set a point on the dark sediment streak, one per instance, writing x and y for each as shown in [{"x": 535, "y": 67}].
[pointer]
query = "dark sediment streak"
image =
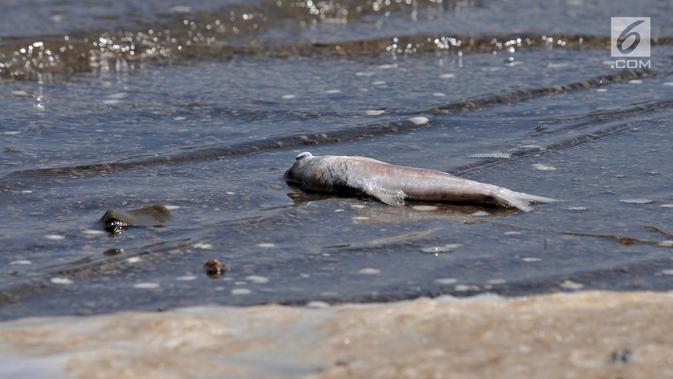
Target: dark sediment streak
[{"x": 325, "y": 138}]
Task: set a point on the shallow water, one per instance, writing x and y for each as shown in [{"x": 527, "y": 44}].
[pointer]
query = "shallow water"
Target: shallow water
[{"x": 206, "y": 115}]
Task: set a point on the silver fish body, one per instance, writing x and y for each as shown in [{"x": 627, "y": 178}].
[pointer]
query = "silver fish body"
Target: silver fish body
[{"x": 394, "y": 184}]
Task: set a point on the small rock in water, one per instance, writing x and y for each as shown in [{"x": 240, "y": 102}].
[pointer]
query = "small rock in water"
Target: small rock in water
[
  {"x": 214, "y": 268},
  {"x": 441, "y": 249},
  {"x": 480, "y": 214},
  {"x": 116, "y": 221},
  {"x": 203, "y": 246},
  {"x": 667, "y": 205},
  {"x": 570, "y": 285},
  {"x": 542, "y": 167},
  {"x": 112, "y": 252},
  {"x": 636, "y": 201}
]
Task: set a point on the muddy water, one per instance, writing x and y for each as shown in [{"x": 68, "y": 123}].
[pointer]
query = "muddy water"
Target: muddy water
[{"x": 201, "y": 107}]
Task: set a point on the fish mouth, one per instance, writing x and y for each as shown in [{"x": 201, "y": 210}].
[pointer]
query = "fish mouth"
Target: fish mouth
[{"x": 289, "y": 177}]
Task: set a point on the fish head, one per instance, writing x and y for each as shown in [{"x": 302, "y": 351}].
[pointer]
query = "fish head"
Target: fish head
[{"x": 296, "y": 172}]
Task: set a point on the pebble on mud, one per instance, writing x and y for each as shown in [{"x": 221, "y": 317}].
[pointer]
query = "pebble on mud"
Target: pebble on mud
[{"x": 214, "y": 268}]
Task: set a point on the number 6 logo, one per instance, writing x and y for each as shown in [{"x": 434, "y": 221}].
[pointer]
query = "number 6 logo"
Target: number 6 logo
[
  {"x": 630, "y": 37},
  {"x": 626, "y": 34}
]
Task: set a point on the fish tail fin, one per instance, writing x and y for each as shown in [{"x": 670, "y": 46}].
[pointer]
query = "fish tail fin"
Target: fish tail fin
[{"x": 520, "y": 200}]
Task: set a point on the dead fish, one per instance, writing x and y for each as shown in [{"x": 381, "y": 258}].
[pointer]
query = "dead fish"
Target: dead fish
[{"x": 393, "y": 184}]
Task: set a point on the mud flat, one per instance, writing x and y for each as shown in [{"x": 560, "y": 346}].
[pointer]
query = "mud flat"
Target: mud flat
[{"x": 565, "y": 335}]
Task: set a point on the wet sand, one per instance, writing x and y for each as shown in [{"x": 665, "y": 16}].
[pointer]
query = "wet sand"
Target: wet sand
[{"x": 568, "y": 335}]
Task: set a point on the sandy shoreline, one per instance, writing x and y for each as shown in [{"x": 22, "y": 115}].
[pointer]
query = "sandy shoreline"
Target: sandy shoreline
[{"x": 578, "y": 335}]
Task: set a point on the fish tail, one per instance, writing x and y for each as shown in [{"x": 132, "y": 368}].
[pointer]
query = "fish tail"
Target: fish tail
[{"x": 522, "y": 201}]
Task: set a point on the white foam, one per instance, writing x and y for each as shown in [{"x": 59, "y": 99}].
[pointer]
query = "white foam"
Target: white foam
[
  {"x": 369, "y": 271},
  {"x": 374, "y": 112},
  {"x": 61, "y": 280},
  {"x": 257, "y": 279},
  {"x": 542, "y": 167},
  {"x": 146, "y": 285}
]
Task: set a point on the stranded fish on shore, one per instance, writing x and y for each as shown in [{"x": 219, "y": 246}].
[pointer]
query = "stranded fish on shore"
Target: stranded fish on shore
[{"x": 393, "y": 184}]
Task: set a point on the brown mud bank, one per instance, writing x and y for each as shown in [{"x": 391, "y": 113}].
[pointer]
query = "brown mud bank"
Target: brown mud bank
[{"x": 578, "y": 335}]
